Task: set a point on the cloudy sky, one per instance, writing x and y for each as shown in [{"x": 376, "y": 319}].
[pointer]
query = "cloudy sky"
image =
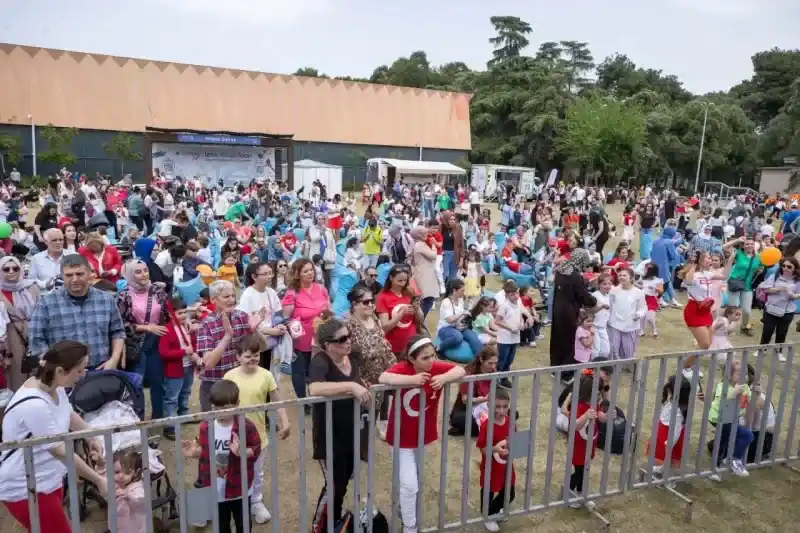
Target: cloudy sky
[{"x": 706, "y": 43}]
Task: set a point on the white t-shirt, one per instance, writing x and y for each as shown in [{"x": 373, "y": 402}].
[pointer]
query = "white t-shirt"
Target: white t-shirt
[
  {"x": 474, "y": 197},
  {"x": 700, "y": 288},
  {"x": 650, "y": 286},
  {"x": 222, "y": 447},
  {"x": 449, "y": 309},
  {"x": 627, "y": 308},
  {"x": 38, "y": 416},
  {"x": 510, "y": 314},
  {"x": 767, "y": 230},
  {"x": 253, "y": 301},
  {"x": 601, "y": 317}
]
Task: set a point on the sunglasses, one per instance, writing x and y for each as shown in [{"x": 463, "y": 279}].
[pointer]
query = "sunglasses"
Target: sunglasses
[
  {"x": 281, "y": 266},
  {"x": 341, "y": 340},
  {"x": 789, "y": 266},
  {"x": 367, "y": 302},
  {"x": 10, "y": 269}
]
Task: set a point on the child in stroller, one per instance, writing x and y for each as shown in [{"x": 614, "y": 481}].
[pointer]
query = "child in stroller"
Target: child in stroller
[{"x": 111, "y": 398}]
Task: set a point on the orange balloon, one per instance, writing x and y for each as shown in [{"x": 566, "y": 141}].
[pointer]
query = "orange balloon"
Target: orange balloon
[{"x": 770, "y": 256}]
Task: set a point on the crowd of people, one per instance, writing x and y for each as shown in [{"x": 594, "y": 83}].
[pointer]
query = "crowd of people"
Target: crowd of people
[{"x": 95, "y": 286}]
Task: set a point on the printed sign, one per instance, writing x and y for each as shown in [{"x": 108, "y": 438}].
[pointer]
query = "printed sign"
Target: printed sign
[{"x": 231, "y": 163}]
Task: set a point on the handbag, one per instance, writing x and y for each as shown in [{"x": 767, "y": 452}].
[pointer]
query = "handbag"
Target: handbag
[
  {"x": 133, "y": 345},
  {"x": 738, "y": 285}
]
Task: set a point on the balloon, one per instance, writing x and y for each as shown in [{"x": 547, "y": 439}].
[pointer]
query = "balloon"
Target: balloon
[
  {"x": 5, "y": 230},
  {"x": 769, "y": 256}
]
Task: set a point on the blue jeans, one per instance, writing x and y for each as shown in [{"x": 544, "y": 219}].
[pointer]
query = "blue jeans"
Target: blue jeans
[
  {"x": 450, "y": 337},
  {"x": 177, "y": 392},
  {"x": 505, "y": 356},
  {"x": 427, "y": 305},
  {"x": 743, "y": 439},
  {"x": 491, "y": 260},
  {"x": 427, "y": 210},
  {"x": 300, "y": 372},
  {"x": 449, "y": 266},
  {"x": 669, "y": 292},
  {"x": 154, "y": 377},
  {"x": 369, "y": 260}
]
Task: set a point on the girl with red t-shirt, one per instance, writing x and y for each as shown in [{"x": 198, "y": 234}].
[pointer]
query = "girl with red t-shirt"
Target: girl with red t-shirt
[
  {"x": 422, "y": 371},
  {"x": 398, "y": 316},
  {"x": 500, "y": 460},
  {"x": 584, "y": 414}
]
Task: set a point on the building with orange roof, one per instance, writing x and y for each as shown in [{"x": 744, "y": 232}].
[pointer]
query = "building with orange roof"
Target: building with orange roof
[{"x": 331, "y": 121}]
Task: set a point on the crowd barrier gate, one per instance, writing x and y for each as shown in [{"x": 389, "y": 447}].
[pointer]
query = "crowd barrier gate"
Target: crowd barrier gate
[{"x": 526, "y": 445}]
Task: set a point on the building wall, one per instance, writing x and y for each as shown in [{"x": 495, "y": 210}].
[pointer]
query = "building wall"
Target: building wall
[
  {"x": 89, "y": 145},
  {"x": 775, "y": 180}
]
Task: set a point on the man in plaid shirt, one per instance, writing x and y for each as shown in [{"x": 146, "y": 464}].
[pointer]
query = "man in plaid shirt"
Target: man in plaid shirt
[
  {"x": 219, "y": 336},
  {"x": 78, "y": 312}
]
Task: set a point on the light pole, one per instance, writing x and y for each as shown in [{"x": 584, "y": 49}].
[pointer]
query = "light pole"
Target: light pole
[
  {"x": 33, "y": 142},
  {"x": 702, "y": 143}
]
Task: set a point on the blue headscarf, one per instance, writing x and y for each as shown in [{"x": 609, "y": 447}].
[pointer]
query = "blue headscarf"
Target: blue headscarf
[{"x": 143, "y": 249}]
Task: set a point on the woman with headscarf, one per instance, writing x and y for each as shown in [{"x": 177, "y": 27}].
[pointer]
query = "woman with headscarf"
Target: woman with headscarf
[
  {"x": 143, "y": 307},
  {"x": 399, "y": 245},
  {"x": 143, "y": 250},
  {"x": 423, "y": 259},
  {"x": 20, "y": 296},
  {"x": 570, "y": 296},
  {"x": 666, "y": 258},
  {"x": 704, "y": 241}
]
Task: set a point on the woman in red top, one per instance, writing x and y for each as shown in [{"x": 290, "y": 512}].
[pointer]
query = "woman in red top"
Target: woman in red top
[
  {"x": 484, "y": 363},
  {"x": 584, "y": 414},
  {"x": 620, "y": 260},
  {"x": 398, "y": 316},
  {"x": 500, "y": 460},
  {"x": 178, "y": 356},
  {"x": 427, "y": 376},
  {"x": 103, "y": 258}
]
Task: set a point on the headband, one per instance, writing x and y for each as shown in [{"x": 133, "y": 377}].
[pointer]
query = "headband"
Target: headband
[{"x": 419, "y": 344}]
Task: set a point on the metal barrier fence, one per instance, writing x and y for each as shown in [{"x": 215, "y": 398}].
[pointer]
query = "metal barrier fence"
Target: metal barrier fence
[{"x": 543, "y": 454}]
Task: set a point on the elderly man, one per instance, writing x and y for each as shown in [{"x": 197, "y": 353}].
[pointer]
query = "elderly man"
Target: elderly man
[
  {"x": 46, "y": 265},
  {"x": 81, "y": 313}
]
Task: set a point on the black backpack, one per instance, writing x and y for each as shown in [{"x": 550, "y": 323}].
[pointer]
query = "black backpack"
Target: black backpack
[{"x": 617, "y": 434}]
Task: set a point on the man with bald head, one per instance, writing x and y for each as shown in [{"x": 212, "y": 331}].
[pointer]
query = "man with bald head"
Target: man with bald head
[{"x": 46, "y": 265}]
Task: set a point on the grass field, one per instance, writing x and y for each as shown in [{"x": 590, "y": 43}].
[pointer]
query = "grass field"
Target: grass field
[{"x": 764, "y": 502}]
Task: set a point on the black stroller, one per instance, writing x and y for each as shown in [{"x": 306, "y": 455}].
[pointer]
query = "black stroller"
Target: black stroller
[{"x": 95, "y": 397}]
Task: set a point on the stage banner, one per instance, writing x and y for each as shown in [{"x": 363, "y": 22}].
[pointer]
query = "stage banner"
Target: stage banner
[{"x": 232, "y": 164}]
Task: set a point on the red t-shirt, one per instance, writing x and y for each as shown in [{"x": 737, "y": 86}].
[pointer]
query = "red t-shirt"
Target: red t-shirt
[
  {"x": 497, "y": 469},
  {"x": 435, "y": 240},
  {"x": 409, "y": 409},
  {"x": 563, "y": 246},
  {"x": 582, "y": 437},
  {"x": 405, "y": 329},
  {"x": 246, "y": 249},
  {"x": 527, "y": 301},
  {"x": 479, "y": 389},
  {"x": 289, "y": 241}
]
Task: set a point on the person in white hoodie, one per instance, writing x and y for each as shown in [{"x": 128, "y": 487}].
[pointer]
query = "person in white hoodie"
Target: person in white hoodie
[
  {"x": 320, "y": 240},
  {"x": 628, "y": 306}
]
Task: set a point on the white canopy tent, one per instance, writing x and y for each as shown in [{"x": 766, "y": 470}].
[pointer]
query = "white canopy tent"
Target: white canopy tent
[
  {"x": 387, "y": 169},
  {"x": 306, "y": 171}
]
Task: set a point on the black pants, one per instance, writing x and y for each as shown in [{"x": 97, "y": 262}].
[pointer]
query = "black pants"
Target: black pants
[
  {"x": 779, "y": 325},
  {"x": 458, "y": 423},
  {"x": 529, "y": 335},
  {"x": 765, "y": 452},
  {"x": 231, "y": 510},
  {"x": 383, "y": 412},
  {"x": 138, "y": 222},
  {"x": 497, "y": 500},
  {"x": 343, "y": 465},
  {"x": 576, "y": 479},
  {"x": 475, "y": 210},
  {"x": 600, "y": 243}
]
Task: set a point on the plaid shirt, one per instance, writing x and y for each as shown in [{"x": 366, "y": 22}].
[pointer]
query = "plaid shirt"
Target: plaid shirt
[
  {"x": 233, "y": 474},
  {"x": 94, "y": 321},
  {"x": 210, "y": 335}
]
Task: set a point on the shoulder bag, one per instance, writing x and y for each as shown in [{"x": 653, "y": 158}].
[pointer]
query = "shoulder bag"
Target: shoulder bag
[
  {"x": 133, "y": 345},
  {"x": 738, "y": 285}
]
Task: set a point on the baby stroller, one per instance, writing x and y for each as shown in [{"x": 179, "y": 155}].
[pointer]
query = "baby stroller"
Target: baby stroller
[{"x": 110, "y": 398}]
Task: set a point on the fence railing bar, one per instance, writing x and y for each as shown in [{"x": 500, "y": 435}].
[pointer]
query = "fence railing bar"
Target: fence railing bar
[
  {"x": 708, "y": 396},
  {"x": 72, "y": 486},
  {"x": 329, "y": 476},
  {"x": 359, "y": 423},
  {"x": 573, "y": 409},
  {"x": 443, "y": 459},
  {"x": 212, "y": 459},
  {"x": 786, "y": 380},
  {"x": 512, "y": 428},
  {"x": 467, "y": 451},
  {"x": 530, "y": 467},
  {"x": 245, "y": 482},
  {"x": 397, "y": 399},
  {"x": 419, "y": 454},
  {"x": 487, "y": 450},
  {"x": 33, "y": 495},
  {"x": 694, "y": 385},
  {"x": 303, "y": 489},
  {"x": 611, "y": 415},
  {"x": 673, "y": 417},
  {"x": 551, "y": 441},
  {"x": 762, "y": 427},
  {"x": 636, "y": 393},
  {"x": 370, "y": 462}
]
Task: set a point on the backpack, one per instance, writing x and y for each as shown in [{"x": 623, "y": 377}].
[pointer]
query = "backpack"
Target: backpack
[{"x": 617, "y": 434}]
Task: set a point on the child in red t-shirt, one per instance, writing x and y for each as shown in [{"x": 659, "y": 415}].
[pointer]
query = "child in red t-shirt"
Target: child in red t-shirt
[
  {"x": 422, "y": 371},
  {"x": 499, "y": 462},
  {"x": 584, "y": 414}
]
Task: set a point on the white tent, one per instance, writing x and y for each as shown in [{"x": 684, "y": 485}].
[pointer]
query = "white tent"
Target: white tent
[
  {"x": 410, "y": 171},
  {"x": 306, "y": 171}
]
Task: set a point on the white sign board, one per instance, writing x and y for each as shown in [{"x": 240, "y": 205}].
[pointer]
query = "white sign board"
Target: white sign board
[
  {"x": 551, "y": 179},
  {"x": 232, "y": 164},
  {"x": 526, "y": 184}
]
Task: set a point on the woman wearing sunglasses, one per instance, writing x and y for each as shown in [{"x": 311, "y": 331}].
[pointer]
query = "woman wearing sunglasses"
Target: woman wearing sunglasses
[
  {"x": 20, "y": 297},
  {"x": 368, "y": 338},
  {"x": 335, "y": 371},
  {"x": 782, "y": 290}
]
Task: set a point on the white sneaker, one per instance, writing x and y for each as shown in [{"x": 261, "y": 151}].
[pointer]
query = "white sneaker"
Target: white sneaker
[
  {"x": 260, "y": 513},
  {"x": 781, "y": 358},
  {"x": 738, "y": 469},
  {"x": 676, "y": 305},
  {"x": 540, "y": 336},
  {"x": 688, "y": 373},
  {"x": 715, "y": 478},
  {"x": 532, "y": 344},
  {"x": 382, "y": 426},
  {"x": 492, "y": 526}
]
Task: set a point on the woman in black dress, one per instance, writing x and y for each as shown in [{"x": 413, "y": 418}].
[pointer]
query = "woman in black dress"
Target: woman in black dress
[{"x": 571, "y": 295}]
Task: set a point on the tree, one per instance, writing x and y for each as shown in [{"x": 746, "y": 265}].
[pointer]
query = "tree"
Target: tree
[
  {"x": 578, "y": 63},
  {"x": 311, "y": 72},
  {"x": 123, "y": 147},
  {"x": 764, "y": 95},
  {"x": 11, "y": 147},
  {"x": 511, "y": 39},
  {"x": 59, "y": 145}
]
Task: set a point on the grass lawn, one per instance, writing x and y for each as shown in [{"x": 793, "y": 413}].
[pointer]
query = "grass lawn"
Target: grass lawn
[{"x": 764, "y": 502}]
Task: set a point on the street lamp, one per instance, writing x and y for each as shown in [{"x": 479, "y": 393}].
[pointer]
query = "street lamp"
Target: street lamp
[
  {"x": 33, "y": 142},
  {"x": 702, "y": 143}
]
